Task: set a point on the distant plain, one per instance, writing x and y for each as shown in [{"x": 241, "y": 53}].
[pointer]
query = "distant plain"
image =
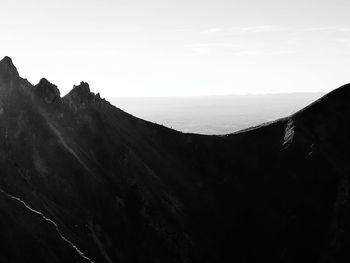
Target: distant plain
[{"x": 221, "y": 114}]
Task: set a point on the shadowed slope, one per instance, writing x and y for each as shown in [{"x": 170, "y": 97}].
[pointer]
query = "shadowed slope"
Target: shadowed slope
[{"x": 122, "y": 189}]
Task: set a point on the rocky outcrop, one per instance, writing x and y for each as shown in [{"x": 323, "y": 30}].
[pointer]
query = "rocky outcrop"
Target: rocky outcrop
[
  {"x": 7, "y": 68},
  {"x": 47, "y": 92},
  {"x": 80, "y": 97}
]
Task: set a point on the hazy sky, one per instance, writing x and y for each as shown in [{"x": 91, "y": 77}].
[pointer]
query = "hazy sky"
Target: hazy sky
[{"x": 192, "y": 47}]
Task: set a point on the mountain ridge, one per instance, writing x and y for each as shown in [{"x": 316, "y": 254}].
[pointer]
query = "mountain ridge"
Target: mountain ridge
[{"x": 122, "y": 189}]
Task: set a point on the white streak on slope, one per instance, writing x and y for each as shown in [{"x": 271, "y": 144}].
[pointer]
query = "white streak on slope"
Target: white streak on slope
[
  {"x": 65, "y": 145},
  {"x": 50, "y": 221}
]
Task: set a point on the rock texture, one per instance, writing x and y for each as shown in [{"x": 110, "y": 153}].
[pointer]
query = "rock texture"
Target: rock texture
[
  {"x": 83, "y": 181},
  {"x": 47, "y": 92}
]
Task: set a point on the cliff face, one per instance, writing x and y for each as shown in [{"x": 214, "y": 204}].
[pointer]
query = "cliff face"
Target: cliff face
[{"x": 83, "y": 181}]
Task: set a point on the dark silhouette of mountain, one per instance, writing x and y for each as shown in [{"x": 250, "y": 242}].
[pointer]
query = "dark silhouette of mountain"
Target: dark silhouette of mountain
[{"x": 83, "y": 181}]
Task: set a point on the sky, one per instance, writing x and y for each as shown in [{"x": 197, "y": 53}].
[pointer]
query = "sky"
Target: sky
[{"x": 179, "y": 48}]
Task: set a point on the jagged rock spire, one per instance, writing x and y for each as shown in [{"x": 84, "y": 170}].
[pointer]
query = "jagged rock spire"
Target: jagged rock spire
[
  {"x": 81, "y": 96},
  {"x": 7, "y": 68},
  {"x": 80, "y": 92},
  {"x": 46, "y": 91},
  {"x": 83, "y": 89}
]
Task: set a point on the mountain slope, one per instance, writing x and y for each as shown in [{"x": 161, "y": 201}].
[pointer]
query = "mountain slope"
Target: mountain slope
[{"x": 83, "y": 181}]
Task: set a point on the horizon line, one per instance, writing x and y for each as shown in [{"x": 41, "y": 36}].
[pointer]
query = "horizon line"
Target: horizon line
[{"x": 216, "y": 95}]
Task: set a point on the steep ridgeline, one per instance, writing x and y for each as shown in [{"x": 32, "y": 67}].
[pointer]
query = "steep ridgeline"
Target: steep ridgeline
[{"x": 83, "y": 181}]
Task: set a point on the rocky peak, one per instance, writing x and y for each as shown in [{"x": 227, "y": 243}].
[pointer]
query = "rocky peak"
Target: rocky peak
[
  {"x": 7, "y": 68},
  {"x": 81, "y": 90},
  {"x": 47, "y": 92},
  {"x": 81, "y": 96}
]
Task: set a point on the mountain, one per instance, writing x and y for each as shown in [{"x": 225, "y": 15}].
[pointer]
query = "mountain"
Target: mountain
[{"x": 83, "y": 181}]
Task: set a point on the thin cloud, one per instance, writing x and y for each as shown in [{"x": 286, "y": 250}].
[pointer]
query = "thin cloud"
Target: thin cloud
[
  {"x": 238, "y": 50},
  {"x": 260, "y": 29},
  {"x": 212, "y": 30},
  {"x": 270, "y": 40},
  {"x": 210, "y": 47},
  {"x": 328, "y": 28},
  {"x": 263, "y": 53},
  {"x": 246, "y": 29},
  {"x": 272, "y": 29}
]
